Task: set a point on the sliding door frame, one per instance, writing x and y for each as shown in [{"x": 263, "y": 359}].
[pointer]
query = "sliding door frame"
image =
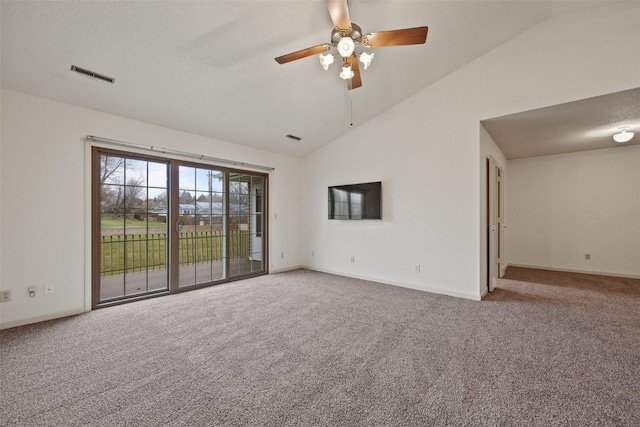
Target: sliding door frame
[{"x": 172, "y": 229}]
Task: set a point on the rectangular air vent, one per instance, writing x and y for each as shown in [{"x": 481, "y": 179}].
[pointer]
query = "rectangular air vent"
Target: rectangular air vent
[
  {"x": 295, "y": 138},
  {"x": 93, "y": 74}
]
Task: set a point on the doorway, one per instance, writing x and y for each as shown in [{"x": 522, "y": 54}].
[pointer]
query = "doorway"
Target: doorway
[{"x": 495, "y": 223}]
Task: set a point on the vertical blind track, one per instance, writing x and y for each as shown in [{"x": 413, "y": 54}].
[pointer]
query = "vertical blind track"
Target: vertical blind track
[{"x": 177, "y": 153}]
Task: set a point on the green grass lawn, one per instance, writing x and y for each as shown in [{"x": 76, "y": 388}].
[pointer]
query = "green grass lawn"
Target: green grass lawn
[{"x": 107, "y": 221}]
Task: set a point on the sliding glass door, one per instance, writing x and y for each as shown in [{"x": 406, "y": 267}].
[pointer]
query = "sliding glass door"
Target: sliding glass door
[
  {"x": 245, "y": 223},
  {"x": 201, "y": 225},
  {"x": 163, "y": 225},
  {"x": 133, "y": 239}
]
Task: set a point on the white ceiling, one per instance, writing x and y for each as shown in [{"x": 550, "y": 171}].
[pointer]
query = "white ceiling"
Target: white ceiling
[
  {"x": 208, "y": 68},
  {"x": 588, "y": 124}
]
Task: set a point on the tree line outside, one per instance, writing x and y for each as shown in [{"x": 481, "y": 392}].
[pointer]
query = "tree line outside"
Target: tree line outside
[{"x": 120, "y": 197}]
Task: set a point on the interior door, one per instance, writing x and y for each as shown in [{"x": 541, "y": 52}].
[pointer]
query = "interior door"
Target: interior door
[
  {"x": 493, "y": 228},
  {"x": 502, "y": 227}
]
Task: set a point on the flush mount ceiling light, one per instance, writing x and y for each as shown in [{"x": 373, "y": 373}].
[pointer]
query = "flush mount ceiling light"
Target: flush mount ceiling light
[{"x": 623, "y": 136}]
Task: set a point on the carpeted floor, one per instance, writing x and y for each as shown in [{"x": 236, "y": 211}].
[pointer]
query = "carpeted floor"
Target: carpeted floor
[{"x": 310, "y": 349}]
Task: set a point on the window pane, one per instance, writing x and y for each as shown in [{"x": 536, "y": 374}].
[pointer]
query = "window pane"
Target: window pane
[
  {"x": 238, "y": 204},
  {"x": 133, "y": 227},
  {"x": 157, "y": 175},
  {"x": 136, "y": 172},
  {"x": 203, "y": 179},
  {"x": 187, "y": 178},
  {"x": 217, "y": 181},
  {"x": 201, "y": 241},
  {"x": 257, "y": 181},
  {"x": 111, "y": 169}
]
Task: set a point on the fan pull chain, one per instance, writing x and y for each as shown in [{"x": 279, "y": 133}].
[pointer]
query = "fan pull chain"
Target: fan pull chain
[
  {"x": 350, "y": 109},
  {"x": 346, "y": 94},
  {"x": 350, "y": 104}
]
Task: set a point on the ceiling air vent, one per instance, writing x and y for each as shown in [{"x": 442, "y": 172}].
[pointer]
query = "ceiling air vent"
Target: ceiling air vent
[
  {"x": 295, "y": 138},
  {"x": 93, "y": 74}
]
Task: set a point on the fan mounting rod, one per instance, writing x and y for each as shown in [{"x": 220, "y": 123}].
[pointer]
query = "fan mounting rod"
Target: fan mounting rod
[{"x": 355, "y": 32}]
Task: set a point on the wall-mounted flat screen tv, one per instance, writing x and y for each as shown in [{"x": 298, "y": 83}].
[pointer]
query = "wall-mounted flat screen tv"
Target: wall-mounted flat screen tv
[{"x": 356, "y": 201}]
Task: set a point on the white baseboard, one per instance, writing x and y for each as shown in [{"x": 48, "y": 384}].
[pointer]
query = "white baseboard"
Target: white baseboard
[
  {"x": 570, "y": 270},
  {"x": 38, "y": 319},
  {"x": 282, "y": 270},
  {"x": 431, "y": 289}
]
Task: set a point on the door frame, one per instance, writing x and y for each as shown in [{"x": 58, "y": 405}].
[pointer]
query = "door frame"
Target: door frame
[
  {"x": 257, "y": 240},
  {"x": 173, "y": 211},
  {"x": 495, "y": 226}
]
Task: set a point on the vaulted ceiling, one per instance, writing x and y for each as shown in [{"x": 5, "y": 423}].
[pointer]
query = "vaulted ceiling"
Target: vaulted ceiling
[{"x": 208, "y": 67}]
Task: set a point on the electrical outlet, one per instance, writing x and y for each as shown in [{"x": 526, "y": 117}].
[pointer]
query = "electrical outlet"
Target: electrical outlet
[
  {"x": 313, "y": 253},
  {"x": 33, "y": 291},
  {"x": 48, "y": 289},
  {"x": 417, "y": 268},
  {"x": 5, "y": 296},
  {"x": 353, "y": 259},
  {"x": 282, "y": 255},
  {"x": 587, "y": 257}
]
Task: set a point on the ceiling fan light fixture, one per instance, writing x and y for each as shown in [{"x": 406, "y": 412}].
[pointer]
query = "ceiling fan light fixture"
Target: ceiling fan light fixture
[
  {"x": 326, "y": 60},
  {"x": 346, "y": 36},
  {"x": 347, "y": 72},
  {"x": 346, "y": 45},
  {"x": 623, "y": 136},
  {"x": 366, "y": 59}
]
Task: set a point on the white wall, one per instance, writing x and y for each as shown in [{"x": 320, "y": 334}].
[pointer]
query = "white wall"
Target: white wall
[
  {"x": 430, "y": 179},
  {"x": 1, "y": 200},
  {"x": 565, "y": 206},
  {"x": 44, "y": 223},
  {"x": 429, "y": 189}
]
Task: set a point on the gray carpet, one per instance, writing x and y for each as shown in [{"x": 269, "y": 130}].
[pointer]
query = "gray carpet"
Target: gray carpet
[{"x": 310, "y": 349}]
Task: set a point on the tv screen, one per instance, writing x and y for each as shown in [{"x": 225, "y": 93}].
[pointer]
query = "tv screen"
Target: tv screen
[{"x": 356, "y": 201}]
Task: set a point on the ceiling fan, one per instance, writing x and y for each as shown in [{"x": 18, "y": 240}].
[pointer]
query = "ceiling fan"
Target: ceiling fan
[{"x": 347, "y": 36}]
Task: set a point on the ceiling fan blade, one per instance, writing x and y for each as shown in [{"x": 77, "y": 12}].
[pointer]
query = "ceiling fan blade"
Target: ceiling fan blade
[
  {"x": 339, "y": 12},
  {"x": 403, "y": 37},
  {"x": 302, "y": 53},
  {"x": 355, "y": 81}
]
